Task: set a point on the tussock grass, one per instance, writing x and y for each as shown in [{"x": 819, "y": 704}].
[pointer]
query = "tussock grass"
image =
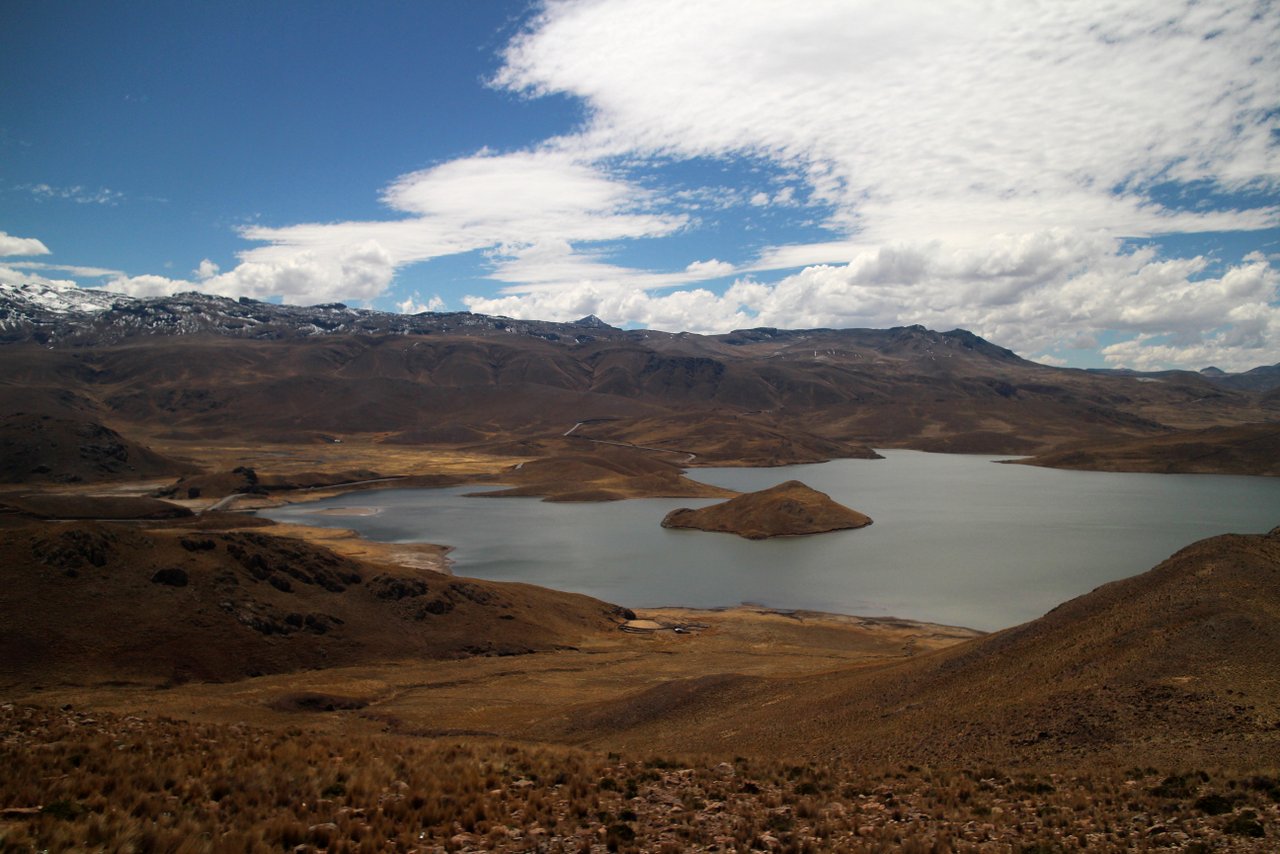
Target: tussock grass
[{"x": 80, "y": 781}]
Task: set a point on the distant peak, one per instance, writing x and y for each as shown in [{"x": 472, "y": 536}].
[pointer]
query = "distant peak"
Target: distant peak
[
  {"x": 1213, "y": 372},
  {"x": 592, "y": 321}
]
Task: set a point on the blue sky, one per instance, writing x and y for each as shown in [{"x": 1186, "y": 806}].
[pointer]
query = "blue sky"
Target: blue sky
[{"x": 1087, "y": 183}]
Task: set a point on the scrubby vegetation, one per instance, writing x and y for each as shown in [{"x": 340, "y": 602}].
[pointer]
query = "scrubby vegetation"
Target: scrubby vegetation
[{"x": 80, "y": 781}]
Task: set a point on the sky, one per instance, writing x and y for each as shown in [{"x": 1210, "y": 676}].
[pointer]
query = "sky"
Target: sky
[{"x": 1091, "y": 184}]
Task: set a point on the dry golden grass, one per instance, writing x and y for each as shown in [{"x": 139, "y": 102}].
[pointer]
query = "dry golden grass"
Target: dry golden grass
[
  {"x": 79, "y": 781},
  {"x": 527, "y": 695},
  {"x": 1249, "y": 449},
  {"x": 365, "y": 451}
]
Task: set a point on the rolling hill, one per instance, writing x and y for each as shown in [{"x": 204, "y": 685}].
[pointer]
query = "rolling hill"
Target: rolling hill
[
  {"x": 788, "y": 509},
  {"x": 1175, "y": 665},
  {"x": 87, "y": 603},
  {"x": 1252, "y": 449},
  {"x": 195, "y": 368}
]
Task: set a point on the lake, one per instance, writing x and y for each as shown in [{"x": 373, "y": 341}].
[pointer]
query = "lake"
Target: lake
[{"x": 957, "y": 539}]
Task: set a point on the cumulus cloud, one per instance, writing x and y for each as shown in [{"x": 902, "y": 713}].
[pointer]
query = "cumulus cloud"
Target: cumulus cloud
[
  {"x": 147, "y": 286},
  {"x": 414, "y": 305},
  {"x": 975, "y": 165},
  {"x": 358, "y": 272},
  {"x": 710, "y": 269},
  {"x": 695, "y": 310},
  {"x": 205, "y": 270},
  {"x": 11, "y": 245},
  {"x": 978, "y": 164},
  {"x": 15, "y": 276},
  {"x": 1033, "y": 293}
]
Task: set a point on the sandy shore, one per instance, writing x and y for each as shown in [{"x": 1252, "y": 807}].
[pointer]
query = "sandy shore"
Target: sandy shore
[{"x": 344, "y": 541}]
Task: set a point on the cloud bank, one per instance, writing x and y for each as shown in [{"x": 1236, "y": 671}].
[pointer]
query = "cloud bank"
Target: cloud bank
[{"x": 985, "y": 165}]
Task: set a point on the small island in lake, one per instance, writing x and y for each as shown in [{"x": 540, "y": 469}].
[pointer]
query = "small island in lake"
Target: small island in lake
[{"x": 788, "y": 509}]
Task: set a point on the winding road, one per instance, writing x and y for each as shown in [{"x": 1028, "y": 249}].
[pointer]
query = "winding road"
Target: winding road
[{"x": 689, "y": 455}]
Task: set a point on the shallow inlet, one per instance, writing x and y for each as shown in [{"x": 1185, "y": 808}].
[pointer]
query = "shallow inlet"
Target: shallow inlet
[{"x": 957, "y": 539}]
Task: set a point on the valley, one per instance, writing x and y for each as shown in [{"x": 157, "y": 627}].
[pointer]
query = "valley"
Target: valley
[{"x": 145, "y": 613}]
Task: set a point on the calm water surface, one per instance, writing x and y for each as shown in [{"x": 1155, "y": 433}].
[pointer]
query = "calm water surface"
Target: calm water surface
[{"x": 956, "y": 539}]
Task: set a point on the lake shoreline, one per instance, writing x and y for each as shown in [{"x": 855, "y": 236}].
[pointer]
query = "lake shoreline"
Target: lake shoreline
[{"x": 956, "y": 541}]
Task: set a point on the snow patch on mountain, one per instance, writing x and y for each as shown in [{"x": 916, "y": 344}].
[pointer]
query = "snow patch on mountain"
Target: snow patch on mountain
[{"x": 59, "y": 299}]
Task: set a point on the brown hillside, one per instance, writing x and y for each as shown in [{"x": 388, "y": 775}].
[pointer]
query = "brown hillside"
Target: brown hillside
[
  {"x": 85, "y": 602},
  {"x": 1247, "y": 449},
  {"x": 711, "y": 438},
  {"x": 38, "y": 448},
  {"x": 66, "y": 506},
  {"x": 788, "y": 509},
  {"x": 755, "y": 396},
  {"x": 1176, "y": 665}
]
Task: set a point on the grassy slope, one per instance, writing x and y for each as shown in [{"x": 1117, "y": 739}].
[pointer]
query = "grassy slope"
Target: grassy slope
[
  {"x": 89, "y": 602},
  {"x": 1175, "y": 664},
  {"x": 75, "y": 781},
  {"x": 1252, "y": 449}
]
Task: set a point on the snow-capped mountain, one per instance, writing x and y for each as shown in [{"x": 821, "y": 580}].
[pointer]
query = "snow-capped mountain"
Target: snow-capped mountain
[
  {"x": 73, "y": 316},
  {"x": 34, "y": 298}
]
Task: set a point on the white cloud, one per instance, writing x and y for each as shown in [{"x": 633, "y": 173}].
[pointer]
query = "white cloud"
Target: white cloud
[
  {"x": 1046, "y": 359},
  {"x": 147, "y": 286},
  {"x": 69, "y": 269},
  {"x": 555, "y": 264},
  {"x": 206, "y": 270},
  {"x": 414, "y": 305},
  {"x": 10, "y": 245},
  {"x": 356, "y": 271},
  {"x": 978, "y": 162},
  {"x": 696, "y": 310},
  {"x": 527, "y": 189},
  {"x": 489, "y": 201},
  {"x": 16, "y": 276},
  {"x": 1033, "y": 293},
  {"x": 710, "y": 269},
  {"x": 509, "y": 204},
  {"x": 77, "y": 193},
  {"x": 359, "y": 272},
  {"x": 919, "y": 121},
  {"x": 972, "y": 164},
  {"x": 1144, "y": 354}
]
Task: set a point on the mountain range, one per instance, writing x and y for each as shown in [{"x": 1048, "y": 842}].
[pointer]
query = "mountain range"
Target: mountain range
[{"x": 194, "y": 367}]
